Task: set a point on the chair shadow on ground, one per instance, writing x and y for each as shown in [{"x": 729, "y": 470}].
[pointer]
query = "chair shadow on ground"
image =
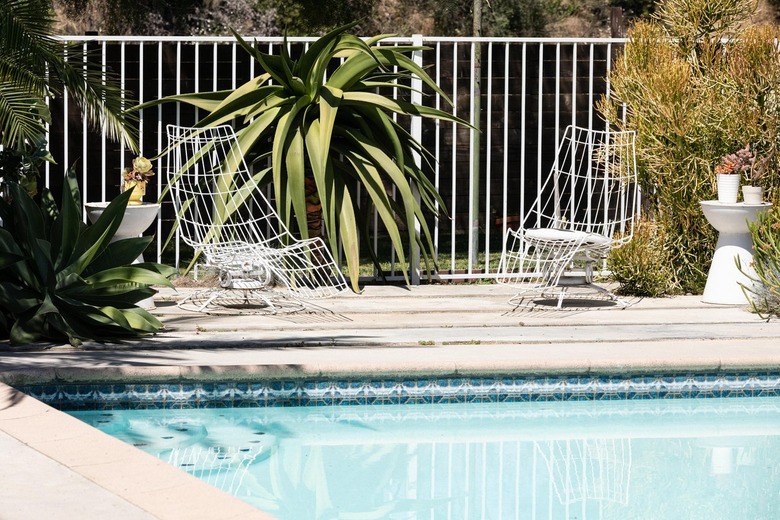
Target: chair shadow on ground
[
  {"x": 286, "y": 309},
  {"x": 547, "y": 307}
]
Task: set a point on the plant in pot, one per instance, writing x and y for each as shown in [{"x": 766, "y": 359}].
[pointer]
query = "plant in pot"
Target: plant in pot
[
  {"x": 321, "y": 128},
  {"x": 136, "y": 177},
  {"x": 753, "y": 193},
  {"x": 729, "y": 173}
]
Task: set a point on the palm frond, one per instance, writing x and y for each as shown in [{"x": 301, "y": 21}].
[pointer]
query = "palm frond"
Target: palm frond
[
  {"x": 35, "y": 63},
  {"x": 22, "y": 115}
]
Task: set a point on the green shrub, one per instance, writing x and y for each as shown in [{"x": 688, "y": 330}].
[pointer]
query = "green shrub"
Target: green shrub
[
  {"x": 641, "y": 267},
  {"x": 694, "y": 96},
  {"x": 61, "y": 280},
  {"x": 324, "y": 135},
  {"x": 764, "y": 293}
]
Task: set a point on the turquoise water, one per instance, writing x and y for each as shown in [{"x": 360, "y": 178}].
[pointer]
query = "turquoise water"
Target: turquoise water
[{"x": 656, "y": 459}]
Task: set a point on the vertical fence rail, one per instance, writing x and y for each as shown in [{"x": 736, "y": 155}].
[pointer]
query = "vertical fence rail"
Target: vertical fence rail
[{"x": 532, "y": 89}]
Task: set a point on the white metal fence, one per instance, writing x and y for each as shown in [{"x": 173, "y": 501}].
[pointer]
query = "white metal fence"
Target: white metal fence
[{"x": 527, "y": 90}]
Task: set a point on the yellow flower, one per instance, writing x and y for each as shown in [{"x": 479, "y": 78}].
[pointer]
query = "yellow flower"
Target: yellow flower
[{"x": 141, "y": 164}]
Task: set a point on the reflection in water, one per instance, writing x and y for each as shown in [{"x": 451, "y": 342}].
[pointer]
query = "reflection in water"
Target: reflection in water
[
  {"x": 709, "y": 458},
  {"x": 588, "y": 469}
]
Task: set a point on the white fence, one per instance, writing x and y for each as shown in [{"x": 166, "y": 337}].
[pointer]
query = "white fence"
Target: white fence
[{"x": 528, "y": 90}]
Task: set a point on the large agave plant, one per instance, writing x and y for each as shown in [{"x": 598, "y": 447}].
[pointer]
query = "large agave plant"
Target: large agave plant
[
  {"x": 63, "y": 280},
  {"x": 319, "y": 127}
]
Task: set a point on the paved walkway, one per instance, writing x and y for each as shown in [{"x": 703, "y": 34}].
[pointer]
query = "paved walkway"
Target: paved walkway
[
  {"x": 443, "y": 329},
  {"x": 60, "y": 467}
]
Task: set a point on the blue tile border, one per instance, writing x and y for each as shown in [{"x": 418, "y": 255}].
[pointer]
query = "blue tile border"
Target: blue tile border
[{"x": 103, "y": 396}]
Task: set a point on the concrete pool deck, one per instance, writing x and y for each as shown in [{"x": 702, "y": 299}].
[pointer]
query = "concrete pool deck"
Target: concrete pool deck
[{"x": 61, "y": 465}]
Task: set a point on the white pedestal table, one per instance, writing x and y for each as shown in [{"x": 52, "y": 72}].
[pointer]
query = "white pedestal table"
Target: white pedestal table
[
  {"x": 724, "y": 278},
  {"x": 137, "y": 218}
]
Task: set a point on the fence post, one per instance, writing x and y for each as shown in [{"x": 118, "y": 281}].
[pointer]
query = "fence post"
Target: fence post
[
  {"x": 416, "y": 131},
  {"x": 476, "y": 146}
]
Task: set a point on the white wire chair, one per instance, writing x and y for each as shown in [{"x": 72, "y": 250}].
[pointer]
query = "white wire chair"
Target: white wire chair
[
  {"x": 223, "y": 215},
  {"x": 586, "y": 206}
]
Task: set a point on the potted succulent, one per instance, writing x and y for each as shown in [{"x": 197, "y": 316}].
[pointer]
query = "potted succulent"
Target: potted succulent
[
  {"x": 136, "y": 178},
  {"x": 62, "y": 280},
  {"x": 729, "y": 172},
  {"x": 753, "y": 193}
]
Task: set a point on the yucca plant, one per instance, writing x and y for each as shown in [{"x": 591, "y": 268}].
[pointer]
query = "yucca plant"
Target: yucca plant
[
  {"x": 320, "y": 128},
  {"x": 63, "y": 280}
]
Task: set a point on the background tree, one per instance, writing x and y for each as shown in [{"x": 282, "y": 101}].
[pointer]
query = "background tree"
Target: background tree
[{"x": 316, "y": 17}]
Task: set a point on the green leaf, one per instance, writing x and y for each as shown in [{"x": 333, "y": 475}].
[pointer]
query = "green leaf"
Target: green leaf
[
  {"x": 118, "y": 253},
  {"x": 349, "y": 237},
  {"x": 372, "y": 182},
  {"x": 399, "y": 107},
  {"x": 68, "y": 225},
  {"x": 245, "y": 101},
  {"x": 130, "y": 274},
  {"x": 323, "y": 179},
  {"x": 295, "y": 189},
  {"x": 207, "y": 101},
  {"x": 97, "y": 237}
]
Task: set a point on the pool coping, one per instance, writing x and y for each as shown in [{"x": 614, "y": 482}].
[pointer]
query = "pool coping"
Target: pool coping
[
  {"x": 377, "y": 337},
  {"x": 147, "y": 487}
]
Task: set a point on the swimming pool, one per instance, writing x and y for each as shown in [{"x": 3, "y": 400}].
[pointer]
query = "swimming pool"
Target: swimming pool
[{"x": 570, "y": 447}]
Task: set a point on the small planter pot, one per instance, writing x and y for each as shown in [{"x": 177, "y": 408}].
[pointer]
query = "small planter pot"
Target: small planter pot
[
  {"x": 139, "y": 190},
  {"x": 728, "y": 188},
  {"x": 753, "y": 194}
]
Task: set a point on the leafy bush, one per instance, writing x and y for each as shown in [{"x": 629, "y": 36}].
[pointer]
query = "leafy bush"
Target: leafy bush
[
  {"x": 21, "y": 166},
  {"x": 641, "y": 266},
  {"x": 63, "y": 280},
  {"x": 764, "y": 293},
  {"x": 693, "y": 96}
]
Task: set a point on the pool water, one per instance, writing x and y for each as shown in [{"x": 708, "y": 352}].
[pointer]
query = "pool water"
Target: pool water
[{"x": 680, "y": 459}]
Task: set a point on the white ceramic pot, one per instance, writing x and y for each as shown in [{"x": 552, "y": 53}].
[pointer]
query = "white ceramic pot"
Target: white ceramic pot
[
  {"x": 728, "y": 188},
  {"x": 752, "y": 194}
]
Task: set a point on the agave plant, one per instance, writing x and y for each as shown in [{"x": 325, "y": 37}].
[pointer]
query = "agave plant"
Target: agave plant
[
  {"x": 319, "y": 126},
  {"x": 63, "y": 280}
]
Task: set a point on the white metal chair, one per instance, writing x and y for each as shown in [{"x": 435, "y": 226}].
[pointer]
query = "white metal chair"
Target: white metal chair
[
  {"x": 223, "y": 215},
  {"x": 586, "y": 206}
]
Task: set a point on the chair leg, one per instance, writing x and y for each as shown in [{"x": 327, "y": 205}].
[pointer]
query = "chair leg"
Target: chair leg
[
  {"x": 241, "y": 301},
  {"x": 561, "y": 297},
  {"x": 210, "y": 300}
]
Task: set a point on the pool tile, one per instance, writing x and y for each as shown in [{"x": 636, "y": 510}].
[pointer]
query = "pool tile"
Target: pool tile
[{"x": 73, "y": 396}]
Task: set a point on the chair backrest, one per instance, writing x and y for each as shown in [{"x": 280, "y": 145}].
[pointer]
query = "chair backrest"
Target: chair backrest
[
  {"x": 592, "y": 186},
  {"x": 217, "y": 200}
]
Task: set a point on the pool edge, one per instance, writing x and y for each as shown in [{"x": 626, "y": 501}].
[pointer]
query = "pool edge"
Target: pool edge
[{"x": 147, "y": 483}]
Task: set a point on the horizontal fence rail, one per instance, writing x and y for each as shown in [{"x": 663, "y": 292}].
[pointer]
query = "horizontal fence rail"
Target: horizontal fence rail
[{"x": 520, "y": 92}]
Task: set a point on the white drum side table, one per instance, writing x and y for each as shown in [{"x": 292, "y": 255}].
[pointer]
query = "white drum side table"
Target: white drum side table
[{"x": 724, "y": 278}]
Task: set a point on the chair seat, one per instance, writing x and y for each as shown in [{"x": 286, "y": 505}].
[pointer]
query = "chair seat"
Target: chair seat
[{"x": 552, "y": 235}]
